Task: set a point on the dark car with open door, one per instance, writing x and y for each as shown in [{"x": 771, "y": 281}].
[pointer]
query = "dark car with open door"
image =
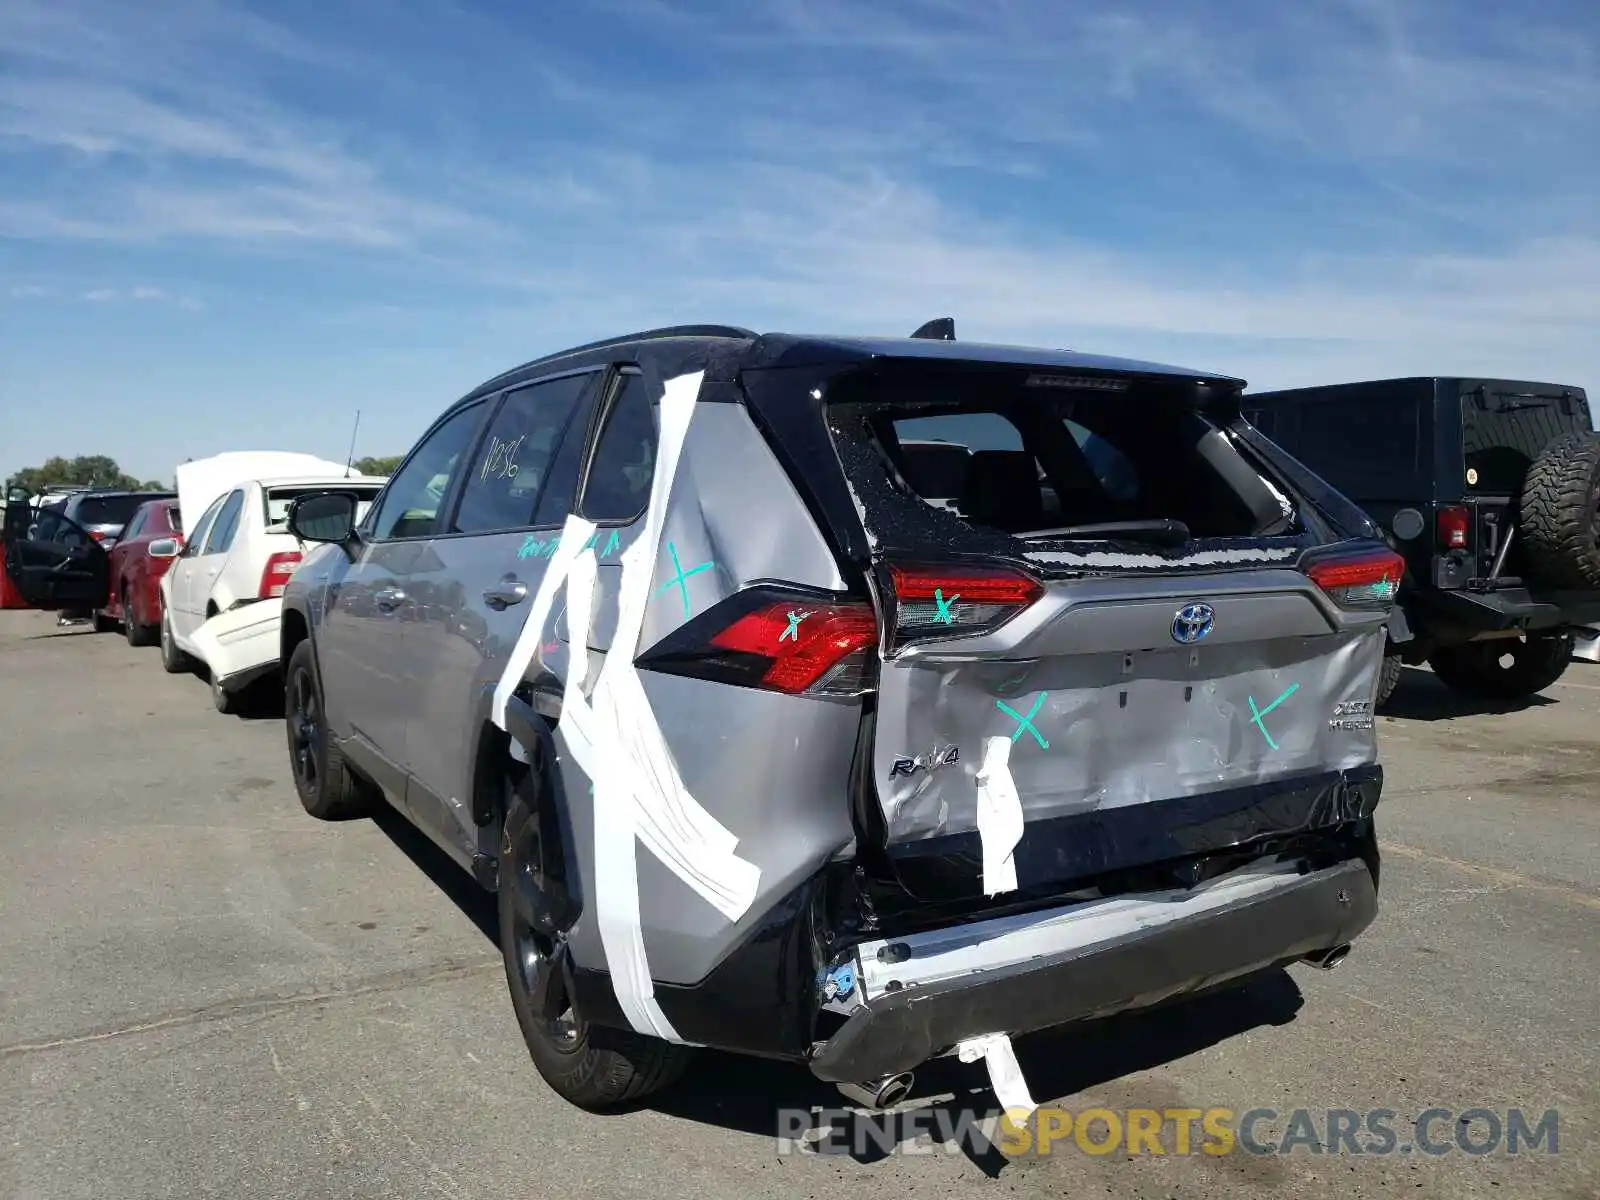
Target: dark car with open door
[{"x": 53, "y": 563}]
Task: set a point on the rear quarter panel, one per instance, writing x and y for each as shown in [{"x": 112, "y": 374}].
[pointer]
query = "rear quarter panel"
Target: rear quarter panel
[{"x": 772, "y": 769}]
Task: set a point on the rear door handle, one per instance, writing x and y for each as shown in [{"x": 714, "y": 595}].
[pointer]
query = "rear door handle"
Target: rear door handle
[
  {"x": 388, "y": 598},
  {"x": 507, "y": 592}
]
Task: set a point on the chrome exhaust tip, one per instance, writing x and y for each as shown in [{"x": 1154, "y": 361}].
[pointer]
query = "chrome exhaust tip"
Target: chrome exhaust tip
[
  {"x": 878, "y": 1093},
  {"x": 1327, "y": 960}
]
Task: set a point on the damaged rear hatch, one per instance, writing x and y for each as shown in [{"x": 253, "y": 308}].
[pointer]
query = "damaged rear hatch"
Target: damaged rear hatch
[{"x": 1113, "y": 635}]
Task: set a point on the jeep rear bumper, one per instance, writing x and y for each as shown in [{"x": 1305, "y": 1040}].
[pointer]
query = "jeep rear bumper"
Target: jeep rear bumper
[
  {"x": 1503, "y": 609},
  {"x": 1090, "y": 961}
]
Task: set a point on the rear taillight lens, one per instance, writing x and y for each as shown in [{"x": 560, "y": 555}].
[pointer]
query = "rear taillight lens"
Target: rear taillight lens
[
  {"x": 1368, "y": 580},
  {"x": 97, "y": 534},
  {"x": 776, "y": 640},
  {"x": 276, "y": 573},
  {"x": 816, "y": 649},
  {"x": 951, "y": 602},
  {"x": 1454, "y": 522}
]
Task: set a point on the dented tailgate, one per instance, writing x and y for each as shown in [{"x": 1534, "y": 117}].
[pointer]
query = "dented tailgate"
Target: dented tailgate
[
  {"x": 1117, "y": 622},
  {"x": 1095, "y": 697}
]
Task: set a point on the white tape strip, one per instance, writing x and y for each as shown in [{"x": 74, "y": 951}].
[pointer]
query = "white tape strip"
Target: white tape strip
[
  {"x": 999, "y": 817},
  {"x": 615, "y": 738},
  {"x": 1005, "y": 1076}
]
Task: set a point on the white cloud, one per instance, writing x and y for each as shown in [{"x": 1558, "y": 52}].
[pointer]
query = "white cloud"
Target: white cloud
[{"x": 795, "y": 173}]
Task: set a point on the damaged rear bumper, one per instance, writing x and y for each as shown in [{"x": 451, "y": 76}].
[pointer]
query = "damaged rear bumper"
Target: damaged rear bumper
[
  {"x": 1091, "y": 960},
  {"x": 242, "y": 644}
]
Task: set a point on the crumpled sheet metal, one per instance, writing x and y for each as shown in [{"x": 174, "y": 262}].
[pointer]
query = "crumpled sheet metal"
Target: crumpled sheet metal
[
  {"x": 611, "y": 730},
  {"x": 1119, "y": 738}
]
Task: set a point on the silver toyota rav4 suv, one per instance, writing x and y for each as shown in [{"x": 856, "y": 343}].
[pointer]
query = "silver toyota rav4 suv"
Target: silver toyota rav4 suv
[{"x": 853, "y": 701}]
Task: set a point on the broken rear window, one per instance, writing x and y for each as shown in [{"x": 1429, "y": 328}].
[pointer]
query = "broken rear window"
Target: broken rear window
[{"x": 1045, "y": 464}]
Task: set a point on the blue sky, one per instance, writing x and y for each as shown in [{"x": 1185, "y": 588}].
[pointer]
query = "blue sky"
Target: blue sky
[{"x": 228, "y": 226}]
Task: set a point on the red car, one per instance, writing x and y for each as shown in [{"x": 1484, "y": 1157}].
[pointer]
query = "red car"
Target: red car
[{"x": 149, "y": 543}]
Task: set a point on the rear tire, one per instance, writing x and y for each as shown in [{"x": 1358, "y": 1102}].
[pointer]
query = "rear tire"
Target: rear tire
[
  {"x": 593, "y": 1067},
  {"x": 173, "y": 660},
  {"x": 137, "y": 633},
  {"x": 327, "y": 788},
  {"x": 1476, "y": 669},
  {"x": 1560, "y": 522},
  {"x": 1388, "y": 679}
]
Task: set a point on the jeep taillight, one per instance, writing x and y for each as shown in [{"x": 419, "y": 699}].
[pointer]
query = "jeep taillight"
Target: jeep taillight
[
  {"x": 957, "y": 601},
  {"x": 276, "y": 573},
  {"x": 1454, "y": 523},
  {"x": 1364, "y": 580}
]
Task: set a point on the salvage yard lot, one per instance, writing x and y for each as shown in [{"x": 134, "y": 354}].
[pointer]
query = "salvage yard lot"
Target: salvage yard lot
[{"x": 205, "y": 992}]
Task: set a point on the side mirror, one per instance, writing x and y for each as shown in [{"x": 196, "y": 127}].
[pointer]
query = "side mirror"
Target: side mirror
[
  {"x": 164, "y": 548},
  {"x": 323, "y": 517}
]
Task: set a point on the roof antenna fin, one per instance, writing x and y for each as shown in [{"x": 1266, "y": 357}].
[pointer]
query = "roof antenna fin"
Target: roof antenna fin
[{"x": 941, "y": 329}]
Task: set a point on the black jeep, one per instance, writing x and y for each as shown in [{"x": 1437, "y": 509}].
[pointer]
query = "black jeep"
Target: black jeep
[{"x": 1488, "y": 487}]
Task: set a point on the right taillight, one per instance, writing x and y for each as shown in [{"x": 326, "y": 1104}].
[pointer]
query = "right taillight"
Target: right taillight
[
  {"x": 1454, "y": 523},
  {"x": 1365, "y": 580},
  {"x": 958, "y": 601},
  {"x": 275, "y": 575}
]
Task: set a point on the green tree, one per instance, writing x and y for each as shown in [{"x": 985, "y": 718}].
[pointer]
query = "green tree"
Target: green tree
[
  {"x": 86, "y": 470},
  {"x": 378, "y": 466}
]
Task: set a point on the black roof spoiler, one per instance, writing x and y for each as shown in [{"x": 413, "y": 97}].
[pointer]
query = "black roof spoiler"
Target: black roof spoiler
[{"x": 940, "y": 329}]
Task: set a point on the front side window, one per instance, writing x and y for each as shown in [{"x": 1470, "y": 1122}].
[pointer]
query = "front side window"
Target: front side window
[
  {"x": 195, "y": 545},
  {"x": 514, "y": 460},
  {"x": 410, "y": 504}
]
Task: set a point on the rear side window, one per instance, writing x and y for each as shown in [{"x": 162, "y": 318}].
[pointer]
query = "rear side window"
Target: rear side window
[
  {"x": 515, "y": 455},
  {"x": 107, "y": 510},
  {"x": 618, "y": 486},
  {"x": 1367, "y": 444},
  {"x": 220, "y": 539},
  {"x": 174, "y": 518},
  {"x": 133, "y": 528}
]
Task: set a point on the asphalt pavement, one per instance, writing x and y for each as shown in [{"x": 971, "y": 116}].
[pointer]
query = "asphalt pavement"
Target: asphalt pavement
[{"x": 204, "y": 992}]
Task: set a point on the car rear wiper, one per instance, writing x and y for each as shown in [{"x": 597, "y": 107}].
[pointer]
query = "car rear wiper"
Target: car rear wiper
[{"x": 1164, "y": 530}]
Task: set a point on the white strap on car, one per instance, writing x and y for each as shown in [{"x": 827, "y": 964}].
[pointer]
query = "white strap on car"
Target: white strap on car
[
  {"x": 999, "y": 817},
  {"x": 1005, "y": 1076}
]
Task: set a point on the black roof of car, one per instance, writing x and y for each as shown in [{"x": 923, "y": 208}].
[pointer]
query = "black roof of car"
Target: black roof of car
[{"x": 739, "y": 348}]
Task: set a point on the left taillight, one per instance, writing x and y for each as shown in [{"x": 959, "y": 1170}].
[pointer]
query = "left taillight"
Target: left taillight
[
  {"x": 1366, "y": 580},
  {"x": 779, "y": 643},
  {"x": 803, "y": 648},
  {"x": 276, "y": 573}
]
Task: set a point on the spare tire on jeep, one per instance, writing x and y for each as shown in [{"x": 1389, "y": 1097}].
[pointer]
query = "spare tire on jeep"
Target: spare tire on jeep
[{"x": 1560, "y": 528}]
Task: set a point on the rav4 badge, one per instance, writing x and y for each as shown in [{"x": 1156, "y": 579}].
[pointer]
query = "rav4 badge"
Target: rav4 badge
[{"x": 938, "y": 757}]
